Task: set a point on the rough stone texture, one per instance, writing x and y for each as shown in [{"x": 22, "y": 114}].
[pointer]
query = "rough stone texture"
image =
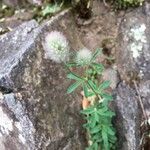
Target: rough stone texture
[
  {"x": 133, "y": 55},
  {"x": 133, "y": 61},
  {"x": 20, "y": 3},
  {"x": 38, "y": 112},
  {"x": 34, "y": 88},
  {"x": 111, "y": 75},
  {"x": 102, "y": 26},
  {"x": 13, "y": 3},
  {"x": 128, "y": 118},
  {"x": 144, "y": 89}
]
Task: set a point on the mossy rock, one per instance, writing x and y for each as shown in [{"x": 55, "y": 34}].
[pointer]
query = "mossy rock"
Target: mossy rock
[{"x": 124, "y": 4}]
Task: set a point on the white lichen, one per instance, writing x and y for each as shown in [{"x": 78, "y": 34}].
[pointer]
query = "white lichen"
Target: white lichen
[
  {"x": 22, "y": 139},
  {"x": 83, "y": 56},
  {"x": 19, "y": 127},
  {"x": 139, "y": 33},
  {"x": 136, "y": 48},
  {"x": 56, "y": 47},
  {"x": 138, "y": 39},
  {"x": 6, "y": 125}
]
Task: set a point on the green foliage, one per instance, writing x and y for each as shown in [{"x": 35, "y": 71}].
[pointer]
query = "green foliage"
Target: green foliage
[
  {"x": 98, "y": 115},
  {"x": 52, "y": 8},
  {"x": 123, "y": 4}
]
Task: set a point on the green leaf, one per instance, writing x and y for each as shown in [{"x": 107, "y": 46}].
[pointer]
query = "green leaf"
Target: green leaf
[
  {"x": 74, "y": 76},
  {"x": 91, "y": 94},
  {"x": 95, "y": 146},
  {"x": 108, "y": 114},
  {"x": 110, "y": 131},
  {"x": 105, "y": 138},
  {"x": 102, "y": 110},
  {"x": 97, "y": 138},
  {"x": 106, "y": 96},
  {"x": 92, "y": 85},
  {"x": 92, "y": 123},
  {"x": 87, "y": 111},
  {"x": 112, "y": 139},
  {"x": 96, "y": 129},
  {"x": 104, "y": 85},
  {"x": 96, "y": 116},
  {"x": 89, "y": 71},
  {"x": 95, "y": 54},
  {"x": 50, "y": 9},
  {"x": 73, "y": 86},
  {"x": 71, "y": 64},
  {"x": 98, "y": 67},
  {"x": 85, "y": 89}
]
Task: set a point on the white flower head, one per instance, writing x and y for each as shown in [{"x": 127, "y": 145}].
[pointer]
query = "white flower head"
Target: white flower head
[
  {"x": 56, "y": 47},
  {"x": 83, "y": 56}
]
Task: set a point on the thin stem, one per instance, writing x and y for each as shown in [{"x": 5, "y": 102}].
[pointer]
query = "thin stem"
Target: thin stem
[
  {"x": 95, "y": 92},
  {"x": 140, "y": 100}
]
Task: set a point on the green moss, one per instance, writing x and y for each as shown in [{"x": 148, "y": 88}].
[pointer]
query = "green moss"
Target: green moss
[{"x": 124, "y": 4}]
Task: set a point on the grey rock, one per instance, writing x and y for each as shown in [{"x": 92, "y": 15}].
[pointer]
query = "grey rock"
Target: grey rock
[
  {"x": 112, "y": 76},
  {"x": 133, "y": 62},
  {"x": 133, "y": 55},
  {"x": 17, "y": 130},
  {"x": 36, "y": 2},
  {"x": 19, "y": 44},
  {"x": 39, "y": 113},
  {"x": 13, "y": 3},
  {"x": 144, "y": 89},
  {"x": 127, "y": 118},
  {"x": 21, "y": 3}
]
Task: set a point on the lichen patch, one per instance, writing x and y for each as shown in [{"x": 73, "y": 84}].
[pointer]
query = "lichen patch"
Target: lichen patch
[
  {"x": 138, "y": 39},
  {"x": 5, "y": 124}
]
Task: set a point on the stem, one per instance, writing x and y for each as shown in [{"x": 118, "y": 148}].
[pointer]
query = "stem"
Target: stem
[
  {"x": 140, "y": 100},
  {"x": 95, "y": 92},
  {"x": 97, "y": 95}
]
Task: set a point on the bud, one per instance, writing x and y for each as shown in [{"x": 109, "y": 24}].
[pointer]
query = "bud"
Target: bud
[{"x": 83, "y": 56}]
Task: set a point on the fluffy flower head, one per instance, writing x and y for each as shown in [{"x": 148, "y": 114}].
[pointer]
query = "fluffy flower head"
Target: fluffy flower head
[
  {"x": 83, "y": 56},
  {"x": 56, "y": 47}
]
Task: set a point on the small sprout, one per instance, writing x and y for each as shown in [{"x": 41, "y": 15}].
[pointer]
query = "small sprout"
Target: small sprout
[
  {"x": 83, "y": 57},
  {"x": 56, "y": 47}
]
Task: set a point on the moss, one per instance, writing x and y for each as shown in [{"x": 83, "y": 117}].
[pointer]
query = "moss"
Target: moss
[{"x": 124, "y": 4}]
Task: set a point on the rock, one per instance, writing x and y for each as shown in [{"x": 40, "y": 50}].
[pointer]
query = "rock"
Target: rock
[
  {"x": 13, "y": 3},
  {"x": 112, "y": 76},
  {"x": 20, "y": 3},
  {"x": 17, "y": 130},
  {"x": 133, "y": 54},
  {"x": 127, "y": 120},
  {"x": 133, "y": 62},
  {"x": 38, "y": 112},
  {"x": 36, "y": 2},
  {"x": 144, "y": 89}
]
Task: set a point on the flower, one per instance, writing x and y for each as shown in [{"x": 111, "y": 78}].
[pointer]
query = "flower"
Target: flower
[
  {"x": 56, "y": 47},
  {"x": 83, "y": 56}
]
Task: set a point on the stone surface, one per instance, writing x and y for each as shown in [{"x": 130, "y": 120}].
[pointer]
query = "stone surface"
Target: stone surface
[
  {"x": 13, "y": 3},
  {"x": 111, "y": 75},
  {"x": 133, "y": 55},
  {"x": 20, "y": 3},
  {"x": 144, "y": 89},
  {"x": 133, "y": 62},
  {"x": 34, "y": 88},
  {"x": 127, "y": 118},
  {"x": 38, "y": 112}
]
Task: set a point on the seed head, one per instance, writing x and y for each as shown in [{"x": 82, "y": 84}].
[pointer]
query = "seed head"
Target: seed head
[
  {"x": 83, "y": 56},
  {"x": 56, "y": 47}
]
